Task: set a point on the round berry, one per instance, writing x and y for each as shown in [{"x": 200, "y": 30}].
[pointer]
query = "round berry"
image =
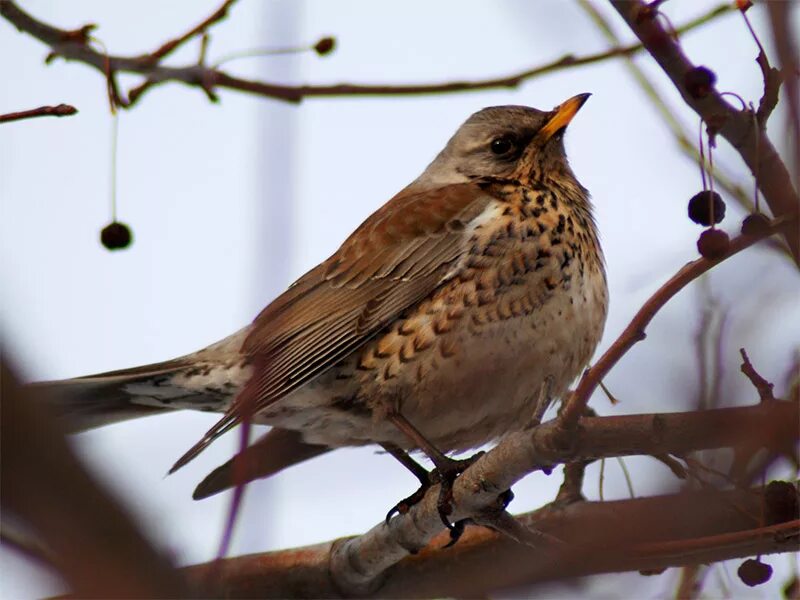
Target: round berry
[
  {"x": 713, "y": 244},
  {"x": 755, "y": 224},
  {"x": 116, "y": 236},
  {"x": 699, "y": 81},
  {"x": 700, "y": 207},
  {"x": 753, "y": 572},
  {"x": 325, "y": 46}
]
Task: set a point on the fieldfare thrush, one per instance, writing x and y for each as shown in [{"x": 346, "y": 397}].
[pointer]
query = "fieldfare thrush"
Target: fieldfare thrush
[{"x": 434, "y": 327}]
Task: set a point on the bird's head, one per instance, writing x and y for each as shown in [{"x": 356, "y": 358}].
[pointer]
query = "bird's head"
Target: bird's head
[{"x": 516, "y": 142}]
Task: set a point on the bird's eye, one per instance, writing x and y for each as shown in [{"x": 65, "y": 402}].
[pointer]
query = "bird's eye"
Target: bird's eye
[{"x": 502, "y": 145}]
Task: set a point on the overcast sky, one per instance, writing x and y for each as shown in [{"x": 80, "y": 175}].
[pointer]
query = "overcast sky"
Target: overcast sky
[{"x": 230, "y": 202}]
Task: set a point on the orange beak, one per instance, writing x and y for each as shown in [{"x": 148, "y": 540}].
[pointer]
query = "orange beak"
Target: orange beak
[{"x": 562, "y": 115}]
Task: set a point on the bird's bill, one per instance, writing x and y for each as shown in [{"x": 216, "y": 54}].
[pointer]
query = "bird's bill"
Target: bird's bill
[{"x": 562, "y": 115}]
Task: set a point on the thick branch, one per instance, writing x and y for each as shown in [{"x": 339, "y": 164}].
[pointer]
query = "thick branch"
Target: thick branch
[
  {"x": 60, "y": 110},
  {"x": 738, "y": 127},
  {"x": 73, "y": 47},
  {"x": 601, "y": 537}
]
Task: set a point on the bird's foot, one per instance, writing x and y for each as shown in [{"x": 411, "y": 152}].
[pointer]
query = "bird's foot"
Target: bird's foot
[
  {"x": 444, "y": 474},
  {"x": 457, "y": 530}
]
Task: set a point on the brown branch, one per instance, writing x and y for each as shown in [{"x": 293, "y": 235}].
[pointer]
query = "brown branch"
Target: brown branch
[
  {"x": 601, "y": 537},
  {"x": 72, "y": 47},
  {"x": 577, "y": 402},
  {"x": 738, "y": 127},
  {"x": 60, "y": 110}
]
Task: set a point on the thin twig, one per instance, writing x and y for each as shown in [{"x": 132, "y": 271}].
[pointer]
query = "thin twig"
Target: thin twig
[
  {"x": 72, "y": 47},
  {"x": 577, "y": 402},
  {"x": 60, "y": 110},
  {"x": 763, "y": 386},
  {"x": 170, "y": 46}
]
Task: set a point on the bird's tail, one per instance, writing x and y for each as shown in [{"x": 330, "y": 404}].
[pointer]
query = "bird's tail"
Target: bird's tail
[
  {"x": 88, "y": 402},
  {"x": 274, "y": 451}
]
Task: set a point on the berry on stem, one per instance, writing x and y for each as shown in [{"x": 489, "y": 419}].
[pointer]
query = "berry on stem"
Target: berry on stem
[
  {"x": 700, "y": 208},
  {"x": 713, "y": 244},
  {"x": 116, "y": 236}
]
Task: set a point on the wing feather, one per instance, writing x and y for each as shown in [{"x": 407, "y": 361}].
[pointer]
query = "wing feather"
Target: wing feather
[{"x": 395, "y": 259}]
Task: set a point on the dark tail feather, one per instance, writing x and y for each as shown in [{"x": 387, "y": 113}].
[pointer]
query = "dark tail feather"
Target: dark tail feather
[
  {"x": 88, "y": 402},
  {"x": 221, "y": 427},
  {"x": 273, "y": 452}
]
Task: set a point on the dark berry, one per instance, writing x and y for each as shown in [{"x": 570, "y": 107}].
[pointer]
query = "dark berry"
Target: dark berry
[
  {"x": 713, "y": 244},
  {"x": 753, "y": 572},
  {"x": 755, "y": 224},
  {"x": 325, "y": 46},
  {"x": 699, "y": 81},
  {"x": 743, "y": 5},
  {"x": 116, "y": 236},
  {"x": 700, "y": 207},
  {"x": 781, "y": 502}
]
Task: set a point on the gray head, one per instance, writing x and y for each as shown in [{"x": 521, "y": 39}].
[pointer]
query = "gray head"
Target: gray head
[{"x": 506, "y": 142}]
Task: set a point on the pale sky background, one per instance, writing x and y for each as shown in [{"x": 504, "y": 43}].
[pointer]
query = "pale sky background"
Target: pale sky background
[{"x": 231, "y": 202}]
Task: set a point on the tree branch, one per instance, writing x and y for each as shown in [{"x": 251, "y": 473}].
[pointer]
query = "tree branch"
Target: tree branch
[
  {"x": 601, "y": 537},
  {"x": 741, "y": 130},
  {"x": 60, "y": 110},
  {"x": 75, "y": 47}
]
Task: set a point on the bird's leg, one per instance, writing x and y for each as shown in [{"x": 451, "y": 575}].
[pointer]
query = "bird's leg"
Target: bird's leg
[
  {"x": 445, "y": 472},
  {"x": 419, "y": 472}
]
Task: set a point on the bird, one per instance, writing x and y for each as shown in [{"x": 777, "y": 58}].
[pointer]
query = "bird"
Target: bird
[{"x": 453, "y": 315}]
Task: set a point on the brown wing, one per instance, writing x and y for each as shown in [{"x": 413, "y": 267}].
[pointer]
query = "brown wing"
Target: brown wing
[{"x": 397, "y": 257}]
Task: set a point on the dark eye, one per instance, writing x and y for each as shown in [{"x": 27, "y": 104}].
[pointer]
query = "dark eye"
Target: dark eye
[{"x": 502, "y": 145}]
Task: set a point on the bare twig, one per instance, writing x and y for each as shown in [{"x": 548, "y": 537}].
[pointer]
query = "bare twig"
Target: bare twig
[
  {"x": 736, "y": 126},
  {"x": 635, "y": 331},
  {"x": 763, "y": 386},
  {"x": 60, "y": 110},
  {"x": 170, "y": 46},
  {"x": 72, "y": 47}
]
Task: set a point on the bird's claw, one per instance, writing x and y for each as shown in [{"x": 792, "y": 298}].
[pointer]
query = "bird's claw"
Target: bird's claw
[{"x": 444, "y": 474}]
